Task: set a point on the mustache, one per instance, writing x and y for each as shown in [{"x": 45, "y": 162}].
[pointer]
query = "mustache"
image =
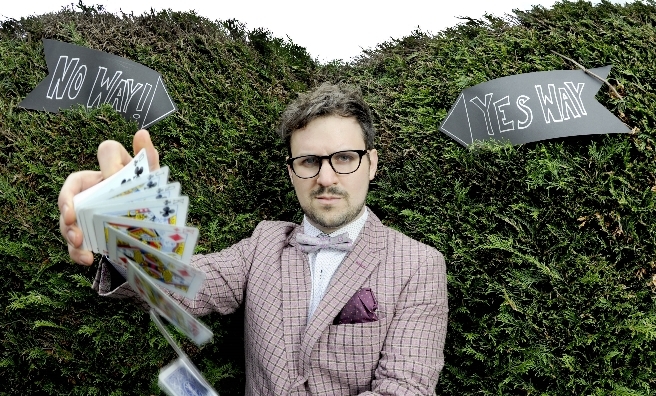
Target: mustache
[{"x": 332, "y": 190}]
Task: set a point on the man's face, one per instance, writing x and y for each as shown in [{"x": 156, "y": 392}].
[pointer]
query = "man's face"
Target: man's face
[{"x": 331, "y": 200}]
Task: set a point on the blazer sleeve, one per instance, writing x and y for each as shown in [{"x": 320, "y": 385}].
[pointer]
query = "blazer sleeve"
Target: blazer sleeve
[
  {"x": 224, "y": 287},
  {"x": 413, "y": 353}
]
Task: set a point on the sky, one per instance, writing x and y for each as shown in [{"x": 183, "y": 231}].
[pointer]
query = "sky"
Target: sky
[{"x": 339, "y": 29}]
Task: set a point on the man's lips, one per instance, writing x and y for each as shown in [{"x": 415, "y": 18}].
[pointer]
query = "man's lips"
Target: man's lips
[{"x": 327, "y": 199}]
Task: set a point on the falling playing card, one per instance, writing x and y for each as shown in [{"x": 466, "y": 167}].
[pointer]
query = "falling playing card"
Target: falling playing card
[
  {"x": 182, "y": 378},
  {"x": 154, "y": 316},
  {"x": 166, "y": 306}
]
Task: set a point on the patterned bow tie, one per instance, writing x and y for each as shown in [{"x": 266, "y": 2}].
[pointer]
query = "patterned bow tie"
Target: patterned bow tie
[{"x": 310, "y": 244}]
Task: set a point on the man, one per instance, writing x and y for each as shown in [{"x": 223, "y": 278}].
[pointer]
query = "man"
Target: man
[{"x": 361, "y": 317}]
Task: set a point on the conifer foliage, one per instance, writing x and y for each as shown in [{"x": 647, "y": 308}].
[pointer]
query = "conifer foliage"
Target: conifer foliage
[{"x": 550, "y": 246}]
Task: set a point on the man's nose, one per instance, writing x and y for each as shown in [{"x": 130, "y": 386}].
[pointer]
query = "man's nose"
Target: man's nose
[{"x": 327, "y": 175}]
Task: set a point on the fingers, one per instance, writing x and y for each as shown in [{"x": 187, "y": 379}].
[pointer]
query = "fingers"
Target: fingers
[
  {"x": 75, "y": 183},
  {"x": 112, "y": 157},
  {"x": 70, "y": 232},
  {"x": 142, "y": 140},
  {"x": 73, "y": 236},
  {"x": 82, "y": 257}
]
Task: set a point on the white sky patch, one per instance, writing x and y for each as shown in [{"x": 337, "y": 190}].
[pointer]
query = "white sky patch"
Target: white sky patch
[{"x": 338, "y": 29}]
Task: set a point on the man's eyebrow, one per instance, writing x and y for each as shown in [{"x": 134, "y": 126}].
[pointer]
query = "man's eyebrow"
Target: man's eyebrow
[
  {"x": 321, "y": 155},
  {"x": 304, "y": 155}
]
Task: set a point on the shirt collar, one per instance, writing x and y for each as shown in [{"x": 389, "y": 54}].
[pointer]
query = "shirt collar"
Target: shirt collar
[{"x": 353, "y": 228}]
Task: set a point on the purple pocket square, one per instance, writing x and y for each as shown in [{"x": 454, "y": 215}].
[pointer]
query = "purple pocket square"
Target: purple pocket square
[{"x": 361, "y": 308}]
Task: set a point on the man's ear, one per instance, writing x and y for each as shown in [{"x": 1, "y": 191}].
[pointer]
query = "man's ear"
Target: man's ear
[{"x": 373, "y": 163}]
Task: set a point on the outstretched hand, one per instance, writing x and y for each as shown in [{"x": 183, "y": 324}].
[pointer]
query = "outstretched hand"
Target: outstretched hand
[{"x": 112, "y": 157}]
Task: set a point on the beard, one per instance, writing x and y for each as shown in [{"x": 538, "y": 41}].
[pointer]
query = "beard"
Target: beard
[{"x": 331, "y": 217}]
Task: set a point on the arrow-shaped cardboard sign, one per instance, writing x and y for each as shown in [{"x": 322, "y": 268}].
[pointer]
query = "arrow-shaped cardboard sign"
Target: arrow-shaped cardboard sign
[
  {"x": 82, "y": 76},
  {"x": 531, "y": 107}
]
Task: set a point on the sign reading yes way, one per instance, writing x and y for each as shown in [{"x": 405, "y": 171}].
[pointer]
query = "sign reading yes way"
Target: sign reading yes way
[
  {"x": 82, "y": 76},
  {"x": 531, "y": 107}
]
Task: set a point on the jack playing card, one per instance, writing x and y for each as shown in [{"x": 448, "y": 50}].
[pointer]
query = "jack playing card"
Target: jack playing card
[
  {"x": 164, "y": 211},
  {"x": 176, "y": 241},
  {"x": 171, "y": 274}
]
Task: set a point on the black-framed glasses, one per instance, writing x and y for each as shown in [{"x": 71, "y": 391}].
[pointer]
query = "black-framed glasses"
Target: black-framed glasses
[{"x": 342, "y": 162}]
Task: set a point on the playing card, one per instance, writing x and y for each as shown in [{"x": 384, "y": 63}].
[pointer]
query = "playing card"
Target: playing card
[
  {"x": 176, "y": 241},
  {"x": 166, "y": 306},
  {"x": 137, "y": 168},
  {"x": 182, "y": 378},
  {"x": 158, "y": 322},
  {"x": 171, "y": 274},
  {"x": 155, "y": 179},
  {"x": 166, "y": 211},
  {"x": 170, "y": 191}
]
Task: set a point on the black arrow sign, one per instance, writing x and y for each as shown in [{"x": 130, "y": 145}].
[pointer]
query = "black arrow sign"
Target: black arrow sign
[
  {"x": 82, "y": 76},
  {"x": 531, "y": 107}
]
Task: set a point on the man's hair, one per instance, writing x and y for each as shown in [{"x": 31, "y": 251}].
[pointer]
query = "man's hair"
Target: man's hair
[{"x": 325, "y": 100}]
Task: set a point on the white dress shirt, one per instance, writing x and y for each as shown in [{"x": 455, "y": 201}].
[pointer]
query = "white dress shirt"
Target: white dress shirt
[{"x": 325, "y": 261}]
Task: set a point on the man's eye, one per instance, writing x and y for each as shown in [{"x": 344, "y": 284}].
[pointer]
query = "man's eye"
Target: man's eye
[
  {"x": 345, "y": 157},
  {"x": 309, "y": 161}
]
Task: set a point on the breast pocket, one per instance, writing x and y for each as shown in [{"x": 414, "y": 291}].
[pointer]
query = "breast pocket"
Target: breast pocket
[{"x": 350, "y": 352}]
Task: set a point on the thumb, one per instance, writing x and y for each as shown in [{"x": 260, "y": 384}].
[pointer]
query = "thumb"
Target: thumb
[
  {"x": 142, "y": 140},
  {"x": 112, "y": 157}
]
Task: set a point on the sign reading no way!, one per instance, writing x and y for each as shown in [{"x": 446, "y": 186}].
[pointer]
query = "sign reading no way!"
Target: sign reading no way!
[{"x": 82, "y": 76}]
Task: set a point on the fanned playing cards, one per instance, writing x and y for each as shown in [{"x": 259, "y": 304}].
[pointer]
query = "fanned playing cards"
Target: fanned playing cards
[{"x": 137, "y": 219}]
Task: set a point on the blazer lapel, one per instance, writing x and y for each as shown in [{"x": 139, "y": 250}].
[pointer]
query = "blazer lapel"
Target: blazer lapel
[
  {"x": 296, "y": 285},
  {"x": 349, "y": 278}
]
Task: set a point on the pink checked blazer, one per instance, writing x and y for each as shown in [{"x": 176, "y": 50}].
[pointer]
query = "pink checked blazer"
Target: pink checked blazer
[{"x": 400, "y": 354}]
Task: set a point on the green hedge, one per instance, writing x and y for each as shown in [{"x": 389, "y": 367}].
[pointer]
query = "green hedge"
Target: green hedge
[{"x": 550, "y": 246}]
